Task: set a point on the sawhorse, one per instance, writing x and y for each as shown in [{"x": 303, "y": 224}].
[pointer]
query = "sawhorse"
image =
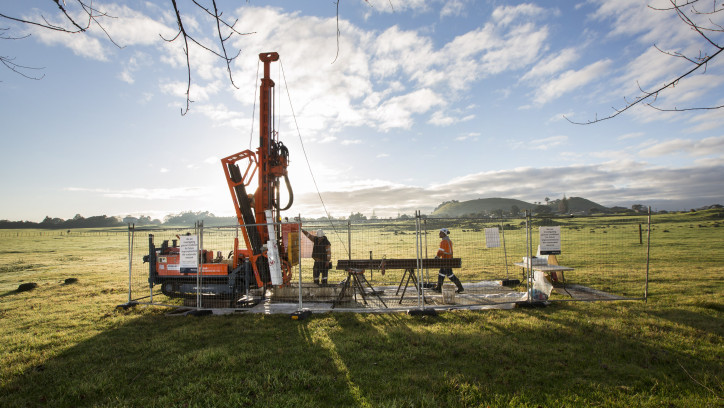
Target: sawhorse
[
  {"x": 354, "y": 280},
  {"x": 410, "y": 273}
]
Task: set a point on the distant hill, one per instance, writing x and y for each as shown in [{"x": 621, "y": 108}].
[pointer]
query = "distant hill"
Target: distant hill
[
  {"x": 489, "y": 205},
  {"x": 481, "y": 205},
  {"x": 579, "y": 204}
]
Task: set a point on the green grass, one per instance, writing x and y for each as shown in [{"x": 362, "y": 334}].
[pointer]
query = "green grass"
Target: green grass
[{"x": 66, "y": 345}]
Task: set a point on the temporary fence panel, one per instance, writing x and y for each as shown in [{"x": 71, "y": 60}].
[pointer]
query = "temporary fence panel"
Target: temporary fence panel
[{"x": 601, "y": 258}]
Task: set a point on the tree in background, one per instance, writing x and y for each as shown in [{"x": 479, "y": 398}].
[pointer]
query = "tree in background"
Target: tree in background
[
  {"x": 357, "y": 217},
  {"x": 563, "y": 205}
]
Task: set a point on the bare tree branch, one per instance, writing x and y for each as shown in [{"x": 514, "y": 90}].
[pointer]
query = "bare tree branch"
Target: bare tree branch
[
  {"x": 17, "y": 68},
  {"x": 222, "y": 39},
  {"x": 700, "y": 62},
  {"x": 182, "y": 31}
]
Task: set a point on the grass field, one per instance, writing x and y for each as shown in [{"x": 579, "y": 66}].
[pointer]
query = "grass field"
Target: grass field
[{"x": 65, "y": 344}]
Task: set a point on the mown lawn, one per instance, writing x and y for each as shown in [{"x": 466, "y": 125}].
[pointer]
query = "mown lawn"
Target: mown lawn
[{"x": 67, "y": 344}]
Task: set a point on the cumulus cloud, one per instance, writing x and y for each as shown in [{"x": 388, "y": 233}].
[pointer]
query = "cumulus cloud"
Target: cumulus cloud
[{"x": 570, "y": 81}]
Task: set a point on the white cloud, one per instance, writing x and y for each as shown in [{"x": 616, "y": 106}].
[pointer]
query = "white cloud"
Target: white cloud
[
  {"x": 570, "y": 81},
  {"x": 126, "y": 77},
  {"x": 145, "y": 193},
  {"x": 453, "y": 8},
  {"x": 505, "y": 15},
  {"x": 632, "y": 135},
  {"x": 543, "y": 144},
  {"x": 612, "y": 183},
  {"x": 552, "y": 65},
  {"x": 398, "y": 111},
  {"x": 472, "y": 136},
  {"x": 704, "y": 147}
]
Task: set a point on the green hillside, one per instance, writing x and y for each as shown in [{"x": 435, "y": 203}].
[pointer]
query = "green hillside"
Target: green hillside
[
  {"x": 580, "y": 204},
  {"x": 481, "y": 205},
  {"x": 490, "y": 205}
]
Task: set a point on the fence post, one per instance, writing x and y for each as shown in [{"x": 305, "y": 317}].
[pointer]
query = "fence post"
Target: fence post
[
  {"x": 529, "y": 254},
  {"x": 199, "y": 227},
  {"x": 648, "y": 256},
  {"x": 349, "y": 237},
  {"x": 418, "y": 269},
  {"x": 299, "y": 259},
  {"x": 131, "y": 230},
  {"x": 427, "y": 269}
]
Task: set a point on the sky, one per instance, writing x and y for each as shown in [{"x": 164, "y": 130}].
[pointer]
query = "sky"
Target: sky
[{"x": 412, "y": 104}]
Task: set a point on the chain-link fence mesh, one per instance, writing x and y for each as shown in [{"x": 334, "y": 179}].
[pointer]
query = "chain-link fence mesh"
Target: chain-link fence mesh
[{"x": 390, "y": 264}]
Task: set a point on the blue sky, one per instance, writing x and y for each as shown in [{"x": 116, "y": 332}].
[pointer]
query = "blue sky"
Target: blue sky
[{"x": 427, "y": 101}]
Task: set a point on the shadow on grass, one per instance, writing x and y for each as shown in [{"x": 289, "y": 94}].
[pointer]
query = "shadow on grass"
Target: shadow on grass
[
  {"x": 187, "y": 361},
  {"x": 524, "y": 357},
  {"x": 542, "y": 359}
]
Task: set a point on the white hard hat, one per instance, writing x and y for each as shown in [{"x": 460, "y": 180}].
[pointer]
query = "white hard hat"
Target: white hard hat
[
  {"x": 320, "y": 233},
  {"x": 445, "y": 231}
]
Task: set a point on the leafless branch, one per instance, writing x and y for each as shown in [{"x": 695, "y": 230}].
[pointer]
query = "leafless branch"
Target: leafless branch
[
  {"x": 338, "y": 33},
  {"x": 675, "y": 109},
  {"x": 222, "y": 39},
  {"x": 18, "y": 69},
  {"x": 700, "y": 62},
  {"x": 182, "y": 32},
  {"x": 94, "y": 15}
]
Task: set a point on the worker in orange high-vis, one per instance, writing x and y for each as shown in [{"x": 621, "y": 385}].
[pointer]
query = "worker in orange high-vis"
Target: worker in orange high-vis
[{"x": 446, "y": 252}]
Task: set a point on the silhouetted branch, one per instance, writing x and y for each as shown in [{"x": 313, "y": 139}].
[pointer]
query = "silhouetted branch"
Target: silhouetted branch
[
  {"x": 222, "y": 39},
  {"x": 699, "y": 62},
  {"x": 8, "y": 62}
]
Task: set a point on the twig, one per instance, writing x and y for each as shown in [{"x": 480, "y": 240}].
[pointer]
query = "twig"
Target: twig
[{"x": 694, "y": 379}]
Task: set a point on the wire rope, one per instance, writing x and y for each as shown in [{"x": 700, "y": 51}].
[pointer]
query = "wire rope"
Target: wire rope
[
  {"x": 253, "y": 111},
  {"x": 306, "y": 158}
]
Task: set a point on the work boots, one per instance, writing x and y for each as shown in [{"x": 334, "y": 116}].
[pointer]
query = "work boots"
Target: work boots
[
  {"x": 457, "y": 283},
  {"x": 438, "y": 288}
]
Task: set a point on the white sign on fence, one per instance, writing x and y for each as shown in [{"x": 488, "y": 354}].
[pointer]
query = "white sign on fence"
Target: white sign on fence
[
  {"x": 492, "y": 237},
  {"x": 550, "y": 240},
  {"x": 189, "y": 253}
]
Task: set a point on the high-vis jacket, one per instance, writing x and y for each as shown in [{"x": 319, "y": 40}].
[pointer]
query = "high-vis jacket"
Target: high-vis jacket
[{"x": 445, "y": 251}]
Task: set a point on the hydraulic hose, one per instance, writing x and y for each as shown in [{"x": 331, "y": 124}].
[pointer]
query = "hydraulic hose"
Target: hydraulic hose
[{"x": 291, "y": 193}]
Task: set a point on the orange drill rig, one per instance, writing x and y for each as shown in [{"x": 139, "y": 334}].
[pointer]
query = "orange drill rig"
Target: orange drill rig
[
  {"x": 264, "y": 261},
  {"x": 270, "y": 163}
]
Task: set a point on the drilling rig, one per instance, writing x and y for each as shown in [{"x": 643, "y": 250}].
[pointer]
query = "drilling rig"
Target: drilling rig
[{"x": 263, "y": 262}]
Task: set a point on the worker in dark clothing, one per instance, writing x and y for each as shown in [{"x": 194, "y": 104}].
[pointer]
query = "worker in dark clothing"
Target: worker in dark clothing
[
  {"x": 322, "y": 255},
  {"x": 446, "y": 252}
]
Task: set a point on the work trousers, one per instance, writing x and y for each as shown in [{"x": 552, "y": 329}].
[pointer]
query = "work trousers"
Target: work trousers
[{"x": 320, "y": 268}]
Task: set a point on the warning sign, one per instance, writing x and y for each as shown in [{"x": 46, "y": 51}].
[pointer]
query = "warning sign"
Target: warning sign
[
  {"x": 189, "y": 253},
  {"x": 550, "y": 240},
  {"x": 492, "y": 237}
]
